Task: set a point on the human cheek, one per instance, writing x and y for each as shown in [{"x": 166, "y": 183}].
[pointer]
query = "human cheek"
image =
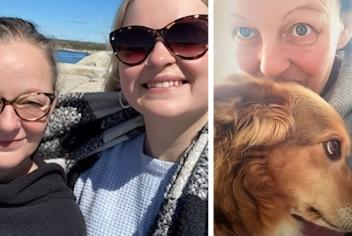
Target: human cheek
[
  {"x": 34, "y": 131},
  {"x": 200, "y": 88},
  {"x": 247, "y": 59},
  {"x": 314, "y": 61},
  {"x": 203, "y": 79},
  {"x": 199, "y": 69},
  {"x": 128, "y": 78},
  {"x": 203, "y": 91},
  {"x": 196, "y": 72}
]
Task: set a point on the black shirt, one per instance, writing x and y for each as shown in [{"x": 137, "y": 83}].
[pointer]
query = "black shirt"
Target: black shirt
[{"x": 40, "y": 203}]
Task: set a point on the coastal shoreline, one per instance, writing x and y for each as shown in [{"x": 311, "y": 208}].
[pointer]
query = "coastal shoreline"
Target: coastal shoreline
[
  {"x": 71, "y": 45},
  {"x": 87, "y": 75}
]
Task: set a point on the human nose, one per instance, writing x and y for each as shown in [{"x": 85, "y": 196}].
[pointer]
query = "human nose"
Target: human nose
[
  {"x": 160, "y": 56},
  {"x": 273, "y": 60},
  {"x": 9, "y": 120}
]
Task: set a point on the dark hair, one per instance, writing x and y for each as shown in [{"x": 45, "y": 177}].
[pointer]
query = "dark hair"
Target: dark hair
[{"x": 12, "y": 28}]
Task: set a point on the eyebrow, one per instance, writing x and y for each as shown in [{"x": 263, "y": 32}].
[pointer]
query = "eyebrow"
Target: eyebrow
[
  {"x": 321, "y": 10},
  {"x": 33, "y": 90},
  {"x": 303, "y": 7},
  {"x": 28, "y": 91},
  {"x": 239, "y": 16}
]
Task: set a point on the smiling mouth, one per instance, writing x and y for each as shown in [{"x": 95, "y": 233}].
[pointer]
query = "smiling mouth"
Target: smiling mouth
[
  {"x": 7, "y": 143},
  {"x": 165, "y": 84}
]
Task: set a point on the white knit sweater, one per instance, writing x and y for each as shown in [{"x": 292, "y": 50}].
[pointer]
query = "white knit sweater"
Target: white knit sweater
[{"x": 122, "y": 193}]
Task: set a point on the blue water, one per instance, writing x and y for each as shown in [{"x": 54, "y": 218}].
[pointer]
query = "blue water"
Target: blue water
[{"x": 71, "y": 57}]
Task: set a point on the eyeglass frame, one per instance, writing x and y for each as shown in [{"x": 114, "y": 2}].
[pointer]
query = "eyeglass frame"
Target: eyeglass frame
[
  {"x": 51, "y": 96},
  {"x": 158, "y": 33}
]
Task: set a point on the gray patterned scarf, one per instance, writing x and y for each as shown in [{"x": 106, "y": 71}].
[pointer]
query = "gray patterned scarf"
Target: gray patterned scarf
[{"x": 84, "y": 124}]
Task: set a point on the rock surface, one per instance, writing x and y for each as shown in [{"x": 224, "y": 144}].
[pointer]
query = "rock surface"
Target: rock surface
[
  {"x": 98, "y": 59},
  {"x": 88, "y": 75}
]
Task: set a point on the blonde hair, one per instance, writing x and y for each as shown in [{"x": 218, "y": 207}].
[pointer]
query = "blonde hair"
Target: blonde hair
[{"x": 113, "y": 81}]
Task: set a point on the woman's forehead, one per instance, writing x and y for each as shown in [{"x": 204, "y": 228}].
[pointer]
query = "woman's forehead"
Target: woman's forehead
[
  {"x": 164, "y": 12},
  {"x": 279, "y": 11},
  {"x": 259, "y": 5}
]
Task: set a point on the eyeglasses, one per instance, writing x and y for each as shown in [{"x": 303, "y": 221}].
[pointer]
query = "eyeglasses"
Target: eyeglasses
[
  {"x": 186, "y": 37},
  {"x": 31, "y": 106}
]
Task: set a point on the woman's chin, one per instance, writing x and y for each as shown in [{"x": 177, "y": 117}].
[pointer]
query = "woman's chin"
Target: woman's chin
[
  {"x": 159, "y": 110},
  {"x": 172, "y": 114}
]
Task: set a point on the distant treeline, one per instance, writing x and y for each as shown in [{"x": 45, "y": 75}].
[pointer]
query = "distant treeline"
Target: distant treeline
[{"x": 77, "y": 45}]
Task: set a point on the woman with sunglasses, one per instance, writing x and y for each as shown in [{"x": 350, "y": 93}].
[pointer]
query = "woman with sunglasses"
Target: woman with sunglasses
[
  {"x": 34, "y": 196},
  {"x": 138, "y": 154}
]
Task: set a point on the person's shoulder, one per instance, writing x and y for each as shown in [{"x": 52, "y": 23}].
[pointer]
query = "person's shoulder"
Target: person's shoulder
[
  {"x": 65, "y": 216},
  {"x": 128, "y": 143},
  {"x": 112, "y": 151}
]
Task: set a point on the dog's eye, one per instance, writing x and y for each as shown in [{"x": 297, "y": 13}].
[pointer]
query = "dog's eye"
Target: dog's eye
[{"x": 333, "y": 149}]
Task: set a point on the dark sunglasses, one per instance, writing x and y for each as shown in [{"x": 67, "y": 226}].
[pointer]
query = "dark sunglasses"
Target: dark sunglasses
[{"x": 186, "y": 37}]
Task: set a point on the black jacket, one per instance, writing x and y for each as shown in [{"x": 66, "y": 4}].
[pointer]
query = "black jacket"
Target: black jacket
[{"x": 40, "y": 203}]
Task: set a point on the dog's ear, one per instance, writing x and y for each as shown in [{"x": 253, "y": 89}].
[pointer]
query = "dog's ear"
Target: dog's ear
[
  {"x": 250, "y": 116},
  {"x": 253, "y": 113}
]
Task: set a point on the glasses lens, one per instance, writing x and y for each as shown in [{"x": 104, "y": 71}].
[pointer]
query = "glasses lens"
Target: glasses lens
[
  {"x": 132, "y": 44},
  {"x": 33, "y": 106},
  {"x": 188, "y": 38}
]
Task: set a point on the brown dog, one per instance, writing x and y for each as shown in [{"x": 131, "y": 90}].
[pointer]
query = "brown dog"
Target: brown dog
[{"x": 280, "y": 158}]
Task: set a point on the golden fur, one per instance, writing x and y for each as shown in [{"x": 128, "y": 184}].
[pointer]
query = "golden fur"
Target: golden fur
[{"x": 271, "y": 160}]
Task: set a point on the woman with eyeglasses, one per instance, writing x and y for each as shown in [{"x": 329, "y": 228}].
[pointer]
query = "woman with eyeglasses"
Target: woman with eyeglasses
[
  {"x": 138, "y": 153},
  {"x": 34, "y": 196}
]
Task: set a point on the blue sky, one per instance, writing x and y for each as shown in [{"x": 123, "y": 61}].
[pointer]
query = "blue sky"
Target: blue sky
[{"x": 82, "y": 20}]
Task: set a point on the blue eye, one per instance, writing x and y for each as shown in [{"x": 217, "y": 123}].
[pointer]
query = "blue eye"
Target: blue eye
[
  {"x": 301, "y": 34},
  {"x": 244, "y": 32},
  {"x": 301, "y": 30}
]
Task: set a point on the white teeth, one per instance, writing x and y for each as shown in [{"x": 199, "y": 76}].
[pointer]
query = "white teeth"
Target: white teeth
[{"x": 164, "y": 84}]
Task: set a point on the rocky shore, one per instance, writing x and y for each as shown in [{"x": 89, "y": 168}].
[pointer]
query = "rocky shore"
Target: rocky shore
[{"x": 88, "y": 75}]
